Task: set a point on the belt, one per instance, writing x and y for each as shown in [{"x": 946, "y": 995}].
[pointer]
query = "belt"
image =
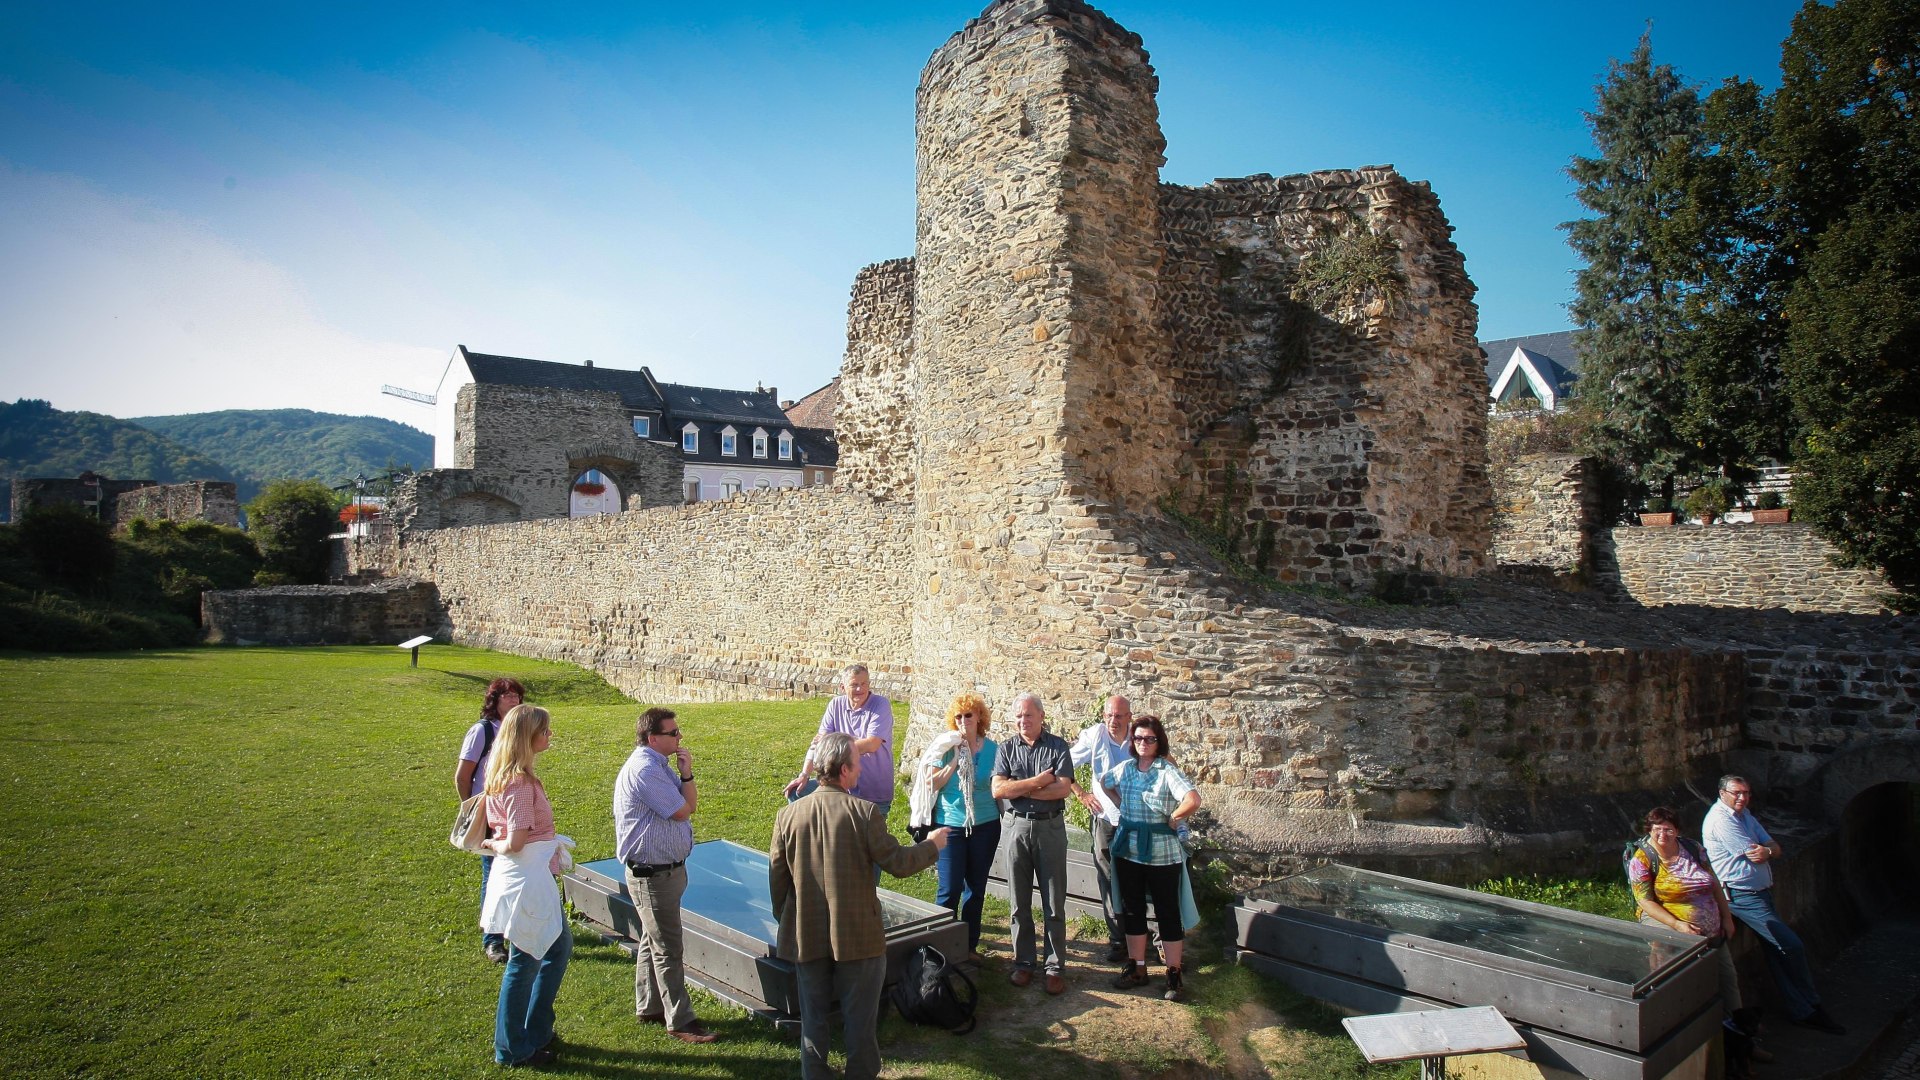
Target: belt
[
  {"x": 1035, "y": 815},
  {"x": 640, "y": 869}
]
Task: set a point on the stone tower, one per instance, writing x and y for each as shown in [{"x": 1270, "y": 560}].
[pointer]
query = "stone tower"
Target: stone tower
[{"x": 1040, "y": 403}]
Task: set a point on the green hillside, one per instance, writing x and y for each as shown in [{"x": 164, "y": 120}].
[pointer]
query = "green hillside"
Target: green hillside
[
  {"x": 271, "y": 444},
  {"x": 37, "y": 439}
]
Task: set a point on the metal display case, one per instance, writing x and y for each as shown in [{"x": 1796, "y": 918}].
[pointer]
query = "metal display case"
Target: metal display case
[
  {"x": 731, "y": 929},
  {"x": 1594, "y": 996}
]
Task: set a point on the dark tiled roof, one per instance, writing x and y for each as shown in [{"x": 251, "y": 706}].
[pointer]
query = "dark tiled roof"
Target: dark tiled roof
[
  {"x": 704, "y": 403},
  {"x": 817, "y": 446},
  {"x": 1557, "y": 347},
  {"x": 636, "y": 388},
  {"x": 710, "y": 443},
  {"x": 816, "y": 409}
]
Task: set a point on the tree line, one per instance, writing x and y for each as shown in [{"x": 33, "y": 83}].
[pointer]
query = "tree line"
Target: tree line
[{"x": 1751, "y": 281}]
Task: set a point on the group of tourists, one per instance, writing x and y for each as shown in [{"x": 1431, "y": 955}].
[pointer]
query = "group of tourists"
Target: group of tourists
[
  {"x": 1712, "y": 887},
  {"x": 829, "y": 846}
]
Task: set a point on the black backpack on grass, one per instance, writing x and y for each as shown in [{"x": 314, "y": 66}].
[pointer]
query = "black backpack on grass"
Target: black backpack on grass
[{"x": 926, "y": 992}]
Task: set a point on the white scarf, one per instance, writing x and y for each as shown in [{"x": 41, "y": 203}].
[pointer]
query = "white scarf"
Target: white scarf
[{"x": 920, "y": 800}]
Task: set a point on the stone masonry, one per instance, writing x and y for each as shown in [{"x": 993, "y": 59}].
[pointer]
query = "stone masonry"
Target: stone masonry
[
  {"x": 1784, "y": 566},
  {"x": 521, "y": 463},
  {"x": 1544, "y": 518},
  {"x": 199, "y": 500},
  {"x": 1075, "y": 346}
]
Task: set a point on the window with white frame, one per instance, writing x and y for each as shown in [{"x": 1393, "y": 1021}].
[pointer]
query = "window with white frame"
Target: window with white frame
[
  {"x": 690, "y": 439},
  {"x": 731, "y": 485},
  {"x": 762, "y": 484},
  {"x": 786, "y": 446},
  {"x": 759, "y": 442},
  {"x": 693, "y": 490},
  {"x": 643, "y": 426},
  {"x": 729, "y": 442}
]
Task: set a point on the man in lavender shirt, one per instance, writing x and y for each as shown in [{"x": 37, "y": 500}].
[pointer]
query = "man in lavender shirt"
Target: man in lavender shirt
[
  {"x": 653, "y": 804},
  {"x": 868, "y": 718}
]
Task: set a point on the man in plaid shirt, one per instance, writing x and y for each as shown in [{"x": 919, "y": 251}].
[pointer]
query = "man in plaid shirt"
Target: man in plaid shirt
[{"x": 820, "y": 875}]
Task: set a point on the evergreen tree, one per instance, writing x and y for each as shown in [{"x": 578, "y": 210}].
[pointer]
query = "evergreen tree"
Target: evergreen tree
[
  {"x": 1627, "y": 302},
  {"x": 1848, "y": 184}
]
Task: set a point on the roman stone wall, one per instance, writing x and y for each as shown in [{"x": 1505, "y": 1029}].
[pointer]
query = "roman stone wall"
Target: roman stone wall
[
  {"x": 1543, "y": 516},
  {"x": 1759, "y": 566},
  {"x": 200, "y": 500},
  {"x": 873, "y": 424},
  {"x": 765, "y": 595},
  {"x": 1343, "y": 444},
  {"x": 522, "y": 463},
  {"x": 384, "y": 613}
]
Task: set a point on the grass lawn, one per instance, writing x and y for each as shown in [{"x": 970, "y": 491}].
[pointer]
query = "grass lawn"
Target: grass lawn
[{"x": 231, "y": 862}]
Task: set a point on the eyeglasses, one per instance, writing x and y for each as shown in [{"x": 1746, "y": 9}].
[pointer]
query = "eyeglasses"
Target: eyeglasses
[
  {"x": 963, "y": 716},
  {"x": 1146, "y": 738},
  {"x": 1738, "y": 793},
  {"x": 674, "y": 734}
]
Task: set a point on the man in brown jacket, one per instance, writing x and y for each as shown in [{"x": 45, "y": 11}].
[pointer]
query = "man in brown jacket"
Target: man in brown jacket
[{"x": 821, "y": 871}]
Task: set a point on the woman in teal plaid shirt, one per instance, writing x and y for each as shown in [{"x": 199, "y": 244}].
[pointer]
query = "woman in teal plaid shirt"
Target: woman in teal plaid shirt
[{"x": 1155, "y": 800}]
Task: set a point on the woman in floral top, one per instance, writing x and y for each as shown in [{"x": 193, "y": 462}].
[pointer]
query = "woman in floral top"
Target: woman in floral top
[
  {"x": 1155, "y": 800},
  {"x": 1675, "y": 887}
]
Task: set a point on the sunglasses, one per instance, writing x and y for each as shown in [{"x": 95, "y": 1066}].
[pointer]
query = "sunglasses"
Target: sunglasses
[
  {"x": 674, "y": 734},
  {"x": 1146, "y": 738}
]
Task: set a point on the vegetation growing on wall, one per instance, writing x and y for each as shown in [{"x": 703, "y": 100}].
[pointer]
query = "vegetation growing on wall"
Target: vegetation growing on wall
[{"x": 1350, "y": 266}]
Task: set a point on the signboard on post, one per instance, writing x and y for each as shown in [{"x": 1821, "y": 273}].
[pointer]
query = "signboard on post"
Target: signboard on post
[{"x": 1432, "y": 1036}]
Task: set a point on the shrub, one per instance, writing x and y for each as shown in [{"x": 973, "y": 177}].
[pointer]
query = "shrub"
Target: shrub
[
  {"x": 290, "y": 521},
  {"x": 1658, "y": 505},
  {"x": 1769, "y": 500},
  {"x": 70, "y": 546},
  {"x": 1708, "y": 502},
  {"x": 166, "y": 565}
]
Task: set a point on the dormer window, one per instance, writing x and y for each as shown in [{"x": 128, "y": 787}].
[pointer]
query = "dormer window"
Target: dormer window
[
  {"x": 786, "y": 446},
  {"x": 729, "y": 442},
  {"x": 643, "y": 427},
  {"x": 760, "y": 442},
  {"x": 690, "y": 438}
]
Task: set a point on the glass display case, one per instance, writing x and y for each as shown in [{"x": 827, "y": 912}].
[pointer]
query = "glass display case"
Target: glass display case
[
  {"x": 1596, "y": 996},
  {"x": 731, "y": 930}
]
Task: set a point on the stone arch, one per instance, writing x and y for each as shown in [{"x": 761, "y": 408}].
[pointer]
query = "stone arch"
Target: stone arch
[
  {"x": 1858, "y": 768},
  {"x": 623, "y": 472},
  {"x": 593, "y": 492}
]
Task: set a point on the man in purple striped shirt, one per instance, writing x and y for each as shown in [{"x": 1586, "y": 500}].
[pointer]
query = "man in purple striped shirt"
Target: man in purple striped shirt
[
  {"x": 868, "y": 719},
  {"x": 653, "y": 804}
]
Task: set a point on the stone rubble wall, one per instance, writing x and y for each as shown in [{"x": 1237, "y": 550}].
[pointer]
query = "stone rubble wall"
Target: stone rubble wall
[
  {"x": 765, "y": 595},
  {"x": 1759, "y": 566},
  {"x": 874, "y": 422},
  {"x": 521, "y": 465},
  {"x": 1544, "y": 514},
  {"x": 200, "y": 500},
  {"x": 385, "y": 613},
  {"x": 1353, "y": 443}
]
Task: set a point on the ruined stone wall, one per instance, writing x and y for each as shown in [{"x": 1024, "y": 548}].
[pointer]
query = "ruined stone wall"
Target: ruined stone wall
[
  {"x": 1544, "y": 511},
  {"x": 200, "y": 500},
  {"x": 385, "y": 613},
  {"x": 1758, "y": 566},
  {"x": 874, "y": 422},
  {"x": 1038, "y": 401},
  {"x": 765, "y": 595},
  {"x": 1343, "y": 444},
  {"x": 518, "y": 449}
]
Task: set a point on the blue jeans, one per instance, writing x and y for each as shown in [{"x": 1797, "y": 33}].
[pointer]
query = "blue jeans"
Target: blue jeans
[
  {"x": 524, "y": 1022},
  {"x": 964, "y": 864},
  {"x": 1786, "y": 956},
  {"x": 486, "y": 868}
]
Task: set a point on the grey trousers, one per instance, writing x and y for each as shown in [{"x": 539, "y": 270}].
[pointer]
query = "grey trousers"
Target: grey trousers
[
  {"x": 659, "y": 964},
  {"x": 1103, "y": 865},
  {"x": 1038, "y": 850},
  {"x": 855, "y": 985}
]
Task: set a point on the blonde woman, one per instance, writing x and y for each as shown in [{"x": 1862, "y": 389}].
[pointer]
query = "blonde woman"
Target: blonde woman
[
  {"x": 965, "y": 803},
  {"x": 523, "y": 904}
]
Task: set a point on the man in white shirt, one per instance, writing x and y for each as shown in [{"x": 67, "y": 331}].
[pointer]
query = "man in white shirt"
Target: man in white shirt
[
  {"x": 1103, "y": 746},
  {"x": 1742, "y": 854}
]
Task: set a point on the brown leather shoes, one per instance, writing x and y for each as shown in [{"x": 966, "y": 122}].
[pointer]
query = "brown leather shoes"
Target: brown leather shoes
[
  {"x": 695, "y": 1032},
  {"x": 1056, "y": 985},
  {"x": 1021, "y": 976}
]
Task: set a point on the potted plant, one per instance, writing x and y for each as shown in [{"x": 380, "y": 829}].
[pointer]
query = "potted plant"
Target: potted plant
[
  {"x": 1771, "y": 509},
  {"x": 1707, "y": 503},
  {"x": 1658, "y": 512}
]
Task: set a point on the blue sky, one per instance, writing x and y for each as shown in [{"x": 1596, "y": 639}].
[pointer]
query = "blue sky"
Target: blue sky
[{"x": 264, "y": 206}]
